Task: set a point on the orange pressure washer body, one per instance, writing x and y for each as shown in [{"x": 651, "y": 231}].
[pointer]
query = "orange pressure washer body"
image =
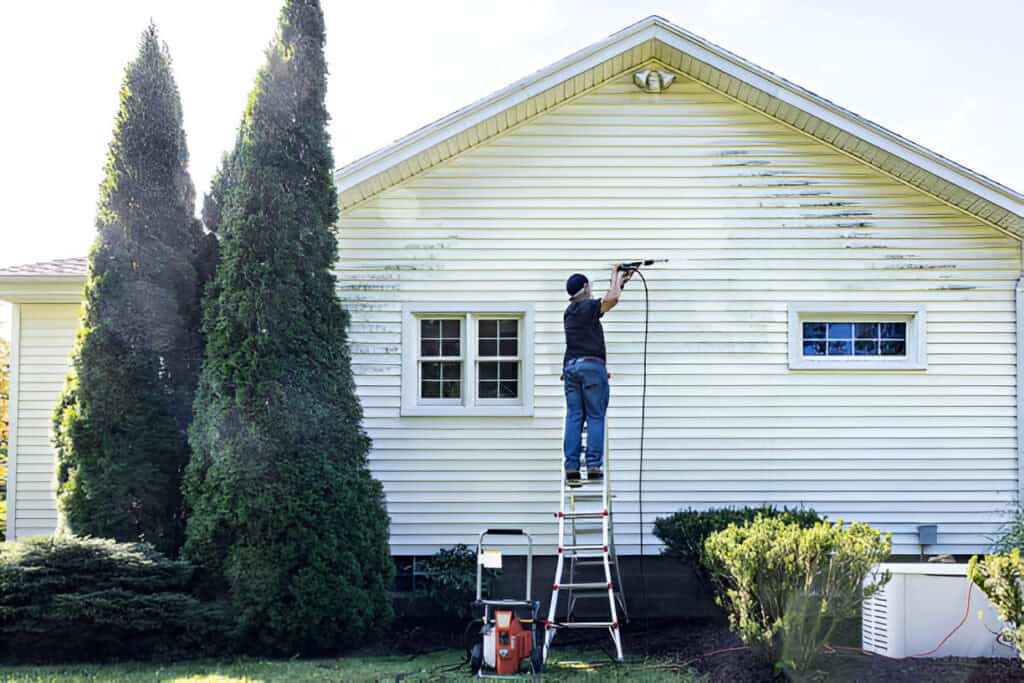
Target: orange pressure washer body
[{"x": 512, "y": 643}]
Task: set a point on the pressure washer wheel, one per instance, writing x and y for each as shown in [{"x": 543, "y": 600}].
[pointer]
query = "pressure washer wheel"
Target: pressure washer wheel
[
  {"x": 537, "y": 658},
  {"x": 476, "y": 658}
]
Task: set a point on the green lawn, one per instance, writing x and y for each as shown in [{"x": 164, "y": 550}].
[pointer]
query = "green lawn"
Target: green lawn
[{"x": 440, "y": 666}]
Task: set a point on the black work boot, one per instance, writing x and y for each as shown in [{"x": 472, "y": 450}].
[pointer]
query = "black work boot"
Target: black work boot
[
  {"x": 572, "y": 477},
  {"x": 594, "y": 474}
]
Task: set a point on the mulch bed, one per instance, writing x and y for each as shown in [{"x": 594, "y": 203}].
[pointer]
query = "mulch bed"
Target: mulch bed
[{"x": 687, "y": 641}]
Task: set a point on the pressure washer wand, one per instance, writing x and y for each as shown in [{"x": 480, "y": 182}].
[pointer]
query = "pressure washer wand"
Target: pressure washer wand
[{"x": 635, "y": 265}]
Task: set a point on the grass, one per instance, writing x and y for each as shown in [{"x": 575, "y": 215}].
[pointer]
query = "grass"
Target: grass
[{"x": 438, "y": 666}]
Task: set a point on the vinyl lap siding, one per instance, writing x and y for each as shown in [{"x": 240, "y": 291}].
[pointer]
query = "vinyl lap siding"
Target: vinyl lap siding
[
  {"x": 47, "y": 336},
  {"x": 753, "y": 216}
]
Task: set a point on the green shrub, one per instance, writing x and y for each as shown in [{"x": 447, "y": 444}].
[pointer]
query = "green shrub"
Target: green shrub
[
  {"x": 1000, "y": 578},
  {"x": 685, "y": 532},
  {"x": 76, "y": 599},
  {"x": 1010, "y": 535},
  {"x": 450, "y": 582},
  {"x": 787, "y": 588}
]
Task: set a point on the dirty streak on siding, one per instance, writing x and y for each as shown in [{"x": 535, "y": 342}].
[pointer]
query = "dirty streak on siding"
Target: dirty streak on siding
[{"x": 753, "y": 216}]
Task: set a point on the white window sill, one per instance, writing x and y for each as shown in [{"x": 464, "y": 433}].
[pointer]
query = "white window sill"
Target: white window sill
[{"x": 464, "y": 411}]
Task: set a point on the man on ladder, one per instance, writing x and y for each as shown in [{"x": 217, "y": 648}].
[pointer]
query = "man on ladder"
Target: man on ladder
[{"x": 586, "y": 378}]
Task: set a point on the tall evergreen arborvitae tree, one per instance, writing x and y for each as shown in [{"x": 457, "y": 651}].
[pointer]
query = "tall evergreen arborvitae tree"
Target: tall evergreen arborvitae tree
[
  {"x": 283, "y": 507},
  {"x": 121, "y": 426}
]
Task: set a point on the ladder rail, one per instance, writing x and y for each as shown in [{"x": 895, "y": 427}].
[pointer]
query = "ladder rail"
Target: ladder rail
[{"x": 603, "y": 554}]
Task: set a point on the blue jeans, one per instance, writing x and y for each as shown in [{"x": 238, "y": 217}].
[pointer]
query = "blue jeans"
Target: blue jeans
[{"x": 586, "y": 398}]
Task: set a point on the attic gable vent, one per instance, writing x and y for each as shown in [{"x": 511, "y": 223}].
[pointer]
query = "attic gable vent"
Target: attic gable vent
[{"x": 652, "y": 80}]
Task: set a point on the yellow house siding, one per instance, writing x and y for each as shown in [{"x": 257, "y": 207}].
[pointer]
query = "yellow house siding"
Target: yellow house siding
[
  {"x": 754, "y": 216},
  {"x": 47, "y": 334}
]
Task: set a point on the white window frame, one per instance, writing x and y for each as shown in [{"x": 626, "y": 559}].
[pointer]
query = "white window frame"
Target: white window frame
[
  {"x": 469, "y": 405},
  {"x": 914, "y": 315}
]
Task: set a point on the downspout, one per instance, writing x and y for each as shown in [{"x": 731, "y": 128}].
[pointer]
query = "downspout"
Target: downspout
[{"x": 1019, "y": 309}]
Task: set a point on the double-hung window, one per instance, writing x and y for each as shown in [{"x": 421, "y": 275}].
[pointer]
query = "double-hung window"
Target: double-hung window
[
  {"x": 857, "y": 336},
  {"x": 467, "y": 360}
]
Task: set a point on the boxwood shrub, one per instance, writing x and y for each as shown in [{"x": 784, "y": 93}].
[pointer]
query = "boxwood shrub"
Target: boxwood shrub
[
  {"x": 83, "y": 599},
  {"x": 685, "y": 532}
]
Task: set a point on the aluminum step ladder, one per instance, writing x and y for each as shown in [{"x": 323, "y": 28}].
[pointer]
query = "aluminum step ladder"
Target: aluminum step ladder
[{"x": 587, "y": 568}]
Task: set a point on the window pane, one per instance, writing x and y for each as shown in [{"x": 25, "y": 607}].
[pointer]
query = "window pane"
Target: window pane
[
  {"x": 508, "y": 390},
  {"x": 451, "y": 328},
  {"x": 509, "y": 371},
  {"x": 489, "y": 328},
  {"x": 840, "y": 331},
  {"x": 489, "y": 371},
  {"x": 814, "y": 330},
  {"x": 894, "y": 348},
  {"x": 814, "y": 348},
  {"x": 431, "y": 389},
  {"x": 431, "y": 370},
  {"x": 894, "y": 331},
  {"x": 430, "y": 328},
  {"x": 866, "y": 330},
  {"x": 509, "y": 347},
  {"x": 450, "y": 347},
  {"x": 451, "y": 389},
  {"x": 488, "y": 347},
  {"x": 865, "y": 347},
  {"x": 488, "y": 389},
  {"x": 430, "y": 347},
  {"x": 509, "y": 328},
  {"x": 839, "y": 348},
  {"x": 451, "y": 371}
]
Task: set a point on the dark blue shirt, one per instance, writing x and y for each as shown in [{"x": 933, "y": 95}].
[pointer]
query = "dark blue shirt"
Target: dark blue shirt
[{"x": 583, "y": 333}]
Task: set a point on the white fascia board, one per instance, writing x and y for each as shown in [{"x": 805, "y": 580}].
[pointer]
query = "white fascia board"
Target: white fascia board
[
  {"x": 520, "y": 91},
  {"x": 35, "y": 289},
  {"x": 845, "y": 120}
]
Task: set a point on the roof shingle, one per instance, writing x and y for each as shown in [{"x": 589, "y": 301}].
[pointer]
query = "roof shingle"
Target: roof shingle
[{"x": 60, "y": 267}]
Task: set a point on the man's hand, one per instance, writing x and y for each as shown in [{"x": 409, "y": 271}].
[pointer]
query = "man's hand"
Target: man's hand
[{"x": 627, "y": 276}]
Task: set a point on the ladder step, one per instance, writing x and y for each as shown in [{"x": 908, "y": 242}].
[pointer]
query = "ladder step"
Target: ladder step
[
  {"x": 597, "y": 548},
  {"x": 586, "y": 496},
  {"x": 589, "y": 563},
  {"x": 589, "y": 585},
  {"x": 586, "y": 624},
  {"x": 585, "y": 515},
  {"x": 590, "y": 594}
]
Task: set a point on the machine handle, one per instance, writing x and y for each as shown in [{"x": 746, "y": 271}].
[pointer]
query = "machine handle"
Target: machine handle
[{"x": 529, "y": 557}]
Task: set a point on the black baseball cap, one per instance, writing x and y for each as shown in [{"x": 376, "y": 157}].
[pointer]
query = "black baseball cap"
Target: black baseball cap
[{"x": 575, "y": 284}]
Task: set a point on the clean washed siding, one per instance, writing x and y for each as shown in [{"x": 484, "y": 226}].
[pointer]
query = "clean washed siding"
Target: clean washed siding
[
  {"x": 753, "y": 216},
  {"x": 46, "y": 338}
]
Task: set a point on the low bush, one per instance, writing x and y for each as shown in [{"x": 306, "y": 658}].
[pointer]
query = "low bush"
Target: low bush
[
  {"x": 83, "y": 599},
  {"x": 450, "y": 581},
  {"x": 786, "y": 588},
  {"x": 1000, "y": 578},
  {"x": 685, "y": 532},
  {"x": 1010, "y": 534}
]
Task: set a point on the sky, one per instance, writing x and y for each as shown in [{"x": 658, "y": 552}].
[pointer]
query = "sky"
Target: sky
[{"x": 943, "y": 73}]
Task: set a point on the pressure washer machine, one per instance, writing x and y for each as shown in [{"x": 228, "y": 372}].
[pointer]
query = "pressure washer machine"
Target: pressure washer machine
[{"x": 508, "y": 635}]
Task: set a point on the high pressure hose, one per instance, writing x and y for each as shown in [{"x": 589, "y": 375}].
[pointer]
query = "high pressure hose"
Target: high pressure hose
[{"x": 640, "y": 472}]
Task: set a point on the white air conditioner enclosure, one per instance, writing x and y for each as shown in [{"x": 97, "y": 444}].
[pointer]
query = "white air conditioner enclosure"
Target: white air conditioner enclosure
[{"x": 921, "y": 605}]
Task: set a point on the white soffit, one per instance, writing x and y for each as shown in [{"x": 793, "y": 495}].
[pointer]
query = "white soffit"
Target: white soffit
[{"x": 655, "y": 39}]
